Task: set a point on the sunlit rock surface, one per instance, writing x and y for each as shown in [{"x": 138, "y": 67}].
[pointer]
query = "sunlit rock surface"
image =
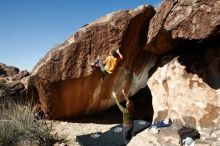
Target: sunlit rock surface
[
  {"x": 182, "y": 19},
  {"x": 186, "y": 88}
]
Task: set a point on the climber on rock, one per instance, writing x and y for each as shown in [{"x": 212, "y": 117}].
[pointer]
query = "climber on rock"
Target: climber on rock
[
  {"x": 108, "y": 66},
  {"x": 128, "y": 113}
]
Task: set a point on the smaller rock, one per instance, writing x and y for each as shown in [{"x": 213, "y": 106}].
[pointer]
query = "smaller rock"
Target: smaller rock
[
  {"x": 13, "y": 84},
  {"x": 2, "y": 65},
  {"x": 11, "y": 71},
  {"x": 2, "y": 72},
  {"x": 24, "y": 81},
  {"x": 14, "y": 88},
  {"x": 20, "y": 75},
  {"x": 19, "y": 87}
]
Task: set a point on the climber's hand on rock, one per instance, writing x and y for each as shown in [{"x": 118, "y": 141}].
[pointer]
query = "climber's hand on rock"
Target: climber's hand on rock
[
  {"x": 120, "y": 55},
  {"x": 123, "y": 92},
  {"x": 114, "y": 94},
  {"x": 118, "y": 51}
]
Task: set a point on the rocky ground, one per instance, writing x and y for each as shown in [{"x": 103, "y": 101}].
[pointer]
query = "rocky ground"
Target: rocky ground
[
  {"x": 165, "y": 137},
  {"x": 169, "y": 137},
  {"x": 86, "y": 125},
  {"x": 70, "y": 130}
]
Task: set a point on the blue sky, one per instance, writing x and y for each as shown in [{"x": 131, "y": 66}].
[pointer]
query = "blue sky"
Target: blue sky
[{"x": 29, "y": 28}]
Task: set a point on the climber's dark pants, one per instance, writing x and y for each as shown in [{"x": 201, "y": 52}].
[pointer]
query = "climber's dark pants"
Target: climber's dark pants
[
  {"x": 102, "y": 67},
  {"x": 127, "y": 129},
  {"x": 100, "y": 64}
]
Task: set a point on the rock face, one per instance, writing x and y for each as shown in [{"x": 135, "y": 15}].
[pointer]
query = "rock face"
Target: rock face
[
  {"x": 65, "y": 83},
  {"x": 185, "y": 83},
  {"x": 13, "y": 83},
  {"x": 180, "y": 20}
]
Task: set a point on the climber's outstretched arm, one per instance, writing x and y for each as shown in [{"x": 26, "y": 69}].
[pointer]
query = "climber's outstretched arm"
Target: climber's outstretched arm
[
  {"x": 126, "y": 97},
  {"x": 122, "y": 109}
]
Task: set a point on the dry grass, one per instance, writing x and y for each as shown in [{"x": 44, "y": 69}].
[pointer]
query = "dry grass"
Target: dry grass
[{"x": 18, "y": 124}]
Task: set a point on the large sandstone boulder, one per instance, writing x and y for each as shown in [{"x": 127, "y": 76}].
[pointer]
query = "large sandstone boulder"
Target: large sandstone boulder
[
  {"x": 178, "y": 20},
  {"x": 20, "y": 75},
  {"x": 8, "y": 71},
  {"x": 11, "y": 70},
  {"x": 65, "y": 83}
]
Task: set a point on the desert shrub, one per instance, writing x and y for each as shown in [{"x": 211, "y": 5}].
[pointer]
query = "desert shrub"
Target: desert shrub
[{"x": 17, "y": 124}]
